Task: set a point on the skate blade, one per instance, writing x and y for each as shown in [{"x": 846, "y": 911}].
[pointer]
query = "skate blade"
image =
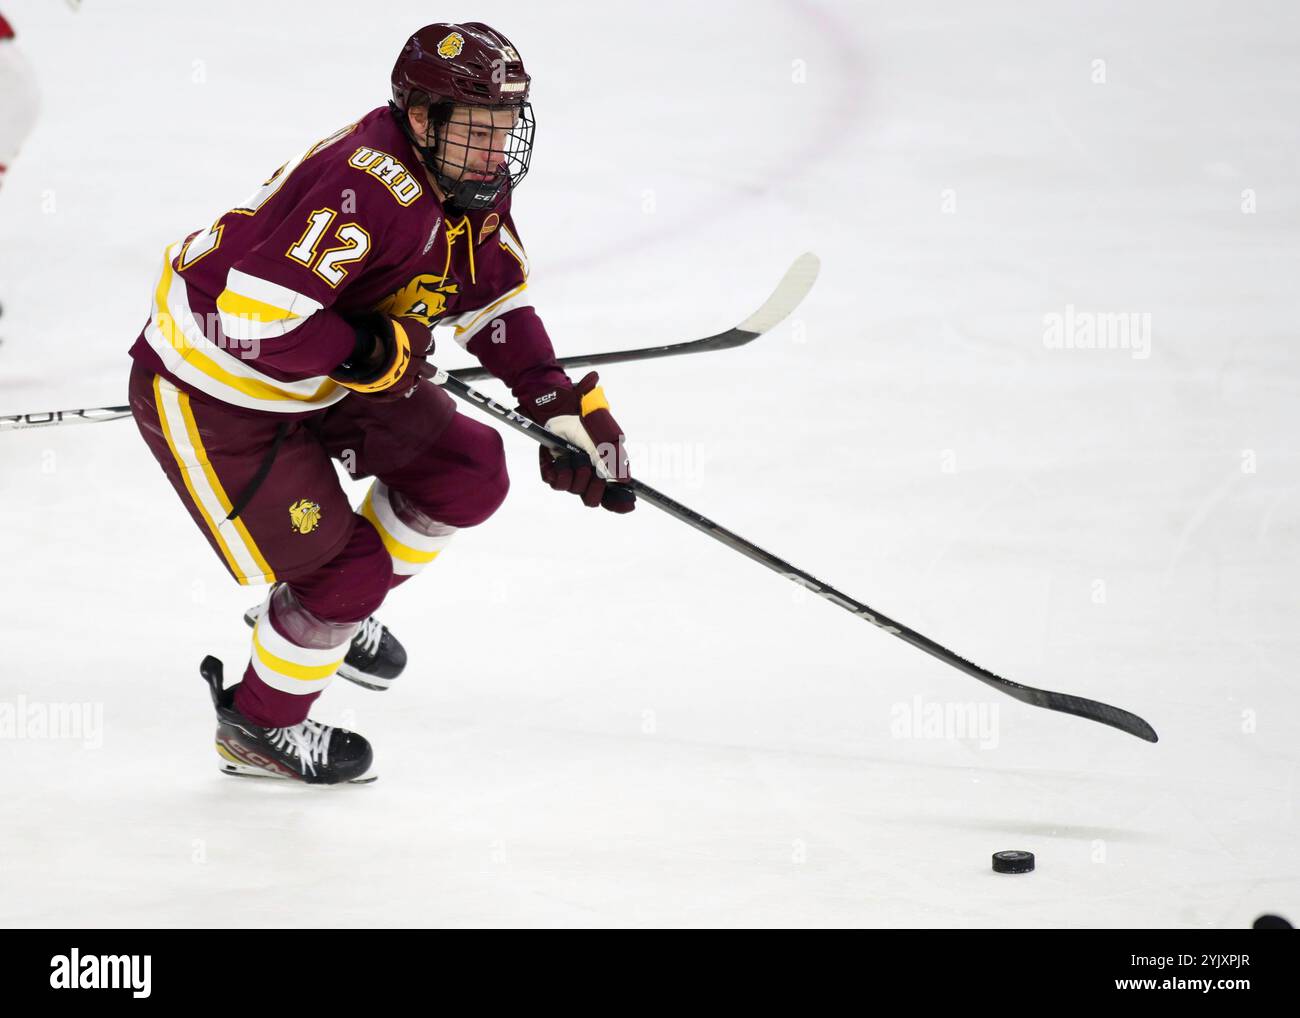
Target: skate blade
[
  {"x": 365, "y": 681},
  {"x": 247, "y": 771},
  {"x": 230, "y": 763}
]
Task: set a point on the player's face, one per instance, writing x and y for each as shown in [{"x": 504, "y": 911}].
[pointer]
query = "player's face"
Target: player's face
[{"x": 473, "y": 142}]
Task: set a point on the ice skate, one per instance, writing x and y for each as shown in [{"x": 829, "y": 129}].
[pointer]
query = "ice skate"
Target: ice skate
[{"x": 310, "y": 752}]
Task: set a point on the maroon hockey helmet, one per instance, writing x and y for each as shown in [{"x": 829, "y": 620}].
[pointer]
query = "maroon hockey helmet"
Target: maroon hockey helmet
[{"x": 449, "y": 66}]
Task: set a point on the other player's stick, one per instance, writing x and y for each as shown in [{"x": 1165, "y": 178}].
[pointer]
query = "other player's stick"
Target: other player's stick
[
  {"x": 1104, "y": 713},
  {"x": 792, "y": 289},
  {"x": 787, "y": 296}
]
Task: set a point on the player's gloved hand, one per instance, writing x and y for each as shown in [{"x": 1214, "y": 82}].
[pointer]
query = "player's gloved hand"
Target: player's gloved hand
[
  {"x": 386, "y": 362},
  {"x": 580, "y": 414}
]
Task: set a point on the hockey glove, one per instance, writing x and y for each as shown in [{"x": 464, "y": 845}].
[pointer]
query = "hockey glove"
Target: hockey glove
[
  {"x": 580, "y": 415},
  {"x": 385, "y": 365}
]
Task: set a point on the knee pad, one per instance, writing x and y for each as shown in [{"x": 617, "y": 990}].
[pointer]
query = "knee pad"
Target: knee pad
[
  {"x": 493, "y": 486},
  {"x": 461, "y": 483}
]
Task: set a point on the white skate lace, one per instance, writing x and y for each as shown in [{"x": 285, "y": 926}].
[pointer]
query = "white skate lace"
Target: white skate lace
[
  {"x": 369, "y": 635},
  {"x": 309, "y": 742}
]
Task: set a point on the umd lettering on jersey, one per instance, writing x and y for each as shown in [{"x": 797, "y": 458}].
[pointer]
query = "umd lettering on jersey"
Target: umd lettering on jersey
[{"x": 389, "y": 172}]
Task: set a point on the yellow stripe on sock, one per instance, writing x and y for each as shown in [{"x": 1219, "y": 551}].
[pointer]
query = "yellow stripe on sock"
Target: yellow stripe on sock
[
  {"x": 308, "y": 673},
  {"x": 394, "y": 547}
]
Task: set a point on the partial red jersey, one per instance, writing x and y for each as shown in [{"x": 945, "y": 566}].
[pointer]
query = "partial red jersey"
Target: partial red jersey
[
  {"x": 6, "y": 29},
  {"x": 252, "y": 309}
]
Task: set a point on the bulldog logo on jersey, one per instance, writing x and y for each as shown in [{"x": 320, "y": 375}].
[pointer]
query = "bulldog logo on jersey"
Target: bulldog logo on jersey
[
  {"x": 424, "y": 298},
  {"x": 451, "y": 46},
  {"x": 304, "y": 516}
]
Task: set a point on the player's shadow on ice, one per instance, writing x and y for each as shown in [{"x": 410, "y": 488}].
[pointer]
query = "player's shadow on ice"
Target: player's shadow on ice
[{"x": 1077, "y": 832}]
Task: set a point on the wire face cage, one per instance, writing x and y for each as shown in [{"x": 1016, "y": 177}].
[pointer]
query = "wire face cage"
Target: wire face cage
[{"x": 481, "y": 151}]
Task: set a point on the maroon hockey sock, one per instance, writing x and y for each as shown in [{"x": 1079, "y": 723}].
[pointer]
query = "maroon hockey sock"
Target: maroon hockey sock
[
  {"x": 320, "y": 610},
  {"x": 269, "y": 707}
]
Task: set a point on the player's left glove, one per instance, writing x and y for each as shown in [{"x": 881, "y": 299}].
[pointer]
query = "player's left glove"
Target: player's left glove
[
  {"x": 580, "y": 415},
  {"x": 385, "y": 363}
]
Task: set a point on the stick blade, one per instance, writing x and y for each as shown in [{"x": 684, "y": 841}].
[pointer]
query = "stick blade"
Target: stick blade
[
  {"x": 1093, "y": 710},
  {"x": 787, "y": 296}
]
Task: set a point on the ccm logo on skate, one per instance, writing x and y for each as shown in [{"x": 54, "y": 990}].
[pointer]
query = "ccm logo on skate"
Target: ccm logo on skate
[
  {"x": 101, "y": 972},
  {"x": 239, "y": 754}
]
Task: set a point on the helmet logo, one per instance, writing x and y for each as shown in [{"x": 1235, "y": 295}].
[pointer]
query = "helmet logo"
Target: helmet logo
[{"x": 451, "y": 46}]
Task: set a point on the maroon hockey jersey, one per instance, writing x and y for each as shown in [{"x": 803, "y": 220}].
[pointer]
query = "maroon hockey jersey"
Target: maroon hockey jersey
[{"x": 252, "y": 309}]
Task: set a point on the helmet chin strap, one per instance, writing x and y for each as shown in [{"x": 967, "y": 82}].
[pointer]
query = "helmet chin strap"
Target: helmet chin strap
[{"x": 471, "y": 195}]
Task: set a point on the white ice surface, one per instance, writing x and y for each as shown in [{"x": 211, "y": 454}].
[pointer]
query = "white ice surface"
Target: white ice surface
[{"x": 614, "y": 720}]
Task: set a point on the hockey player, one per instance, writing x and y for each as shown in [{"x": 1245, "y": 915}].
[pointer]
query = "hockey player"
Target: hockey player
[
  {"x": 18, "y": 98},
  {"x": 292, "y": 331}
]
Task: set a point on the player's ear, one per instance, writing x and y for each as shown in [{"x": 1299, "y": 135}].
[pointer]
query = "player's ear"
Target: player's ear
[{"x": 419, "y": 118}]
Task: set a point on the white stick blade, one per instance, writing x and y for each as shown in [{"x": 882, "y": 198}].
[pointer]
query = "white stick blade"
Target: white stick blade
[{"x": 792, "y": 289}]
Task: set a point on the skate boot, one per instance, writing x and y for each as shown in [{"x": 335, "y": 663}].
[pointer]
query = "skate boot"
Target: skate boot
[
  {"x": 310, "y": 752},
  {"x": 375, "y": 658}
]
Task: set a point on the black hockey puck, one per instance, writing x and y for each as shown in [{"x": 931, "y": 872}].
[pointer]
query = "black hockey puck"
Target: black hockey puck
[
  {"x": 1013, "y": 862},
  {"x": 1272, "y": 922}
]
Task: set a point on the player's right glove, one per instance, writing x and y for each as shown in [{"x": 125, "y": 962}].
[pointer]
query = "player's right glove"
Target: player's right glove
[{"x": 386, "y": 362}]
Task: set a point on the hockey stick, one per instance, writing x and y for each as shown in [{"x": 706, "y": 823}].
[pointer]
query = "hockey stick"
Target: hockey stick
[
  {"x": 43, "y": 419},
  {"x": 792, "y": 289},
  {"x": 1065, "y": 703}
]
